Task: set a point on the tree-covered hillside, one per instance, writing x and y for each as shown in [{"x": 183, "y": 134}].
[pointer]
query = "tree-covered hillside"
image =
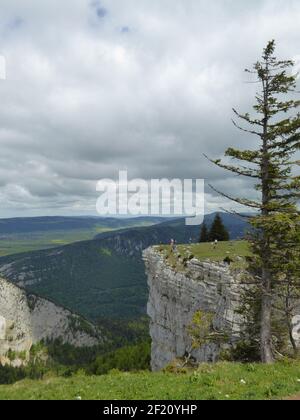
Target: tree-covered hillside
[{"x": 104, "y": 277}]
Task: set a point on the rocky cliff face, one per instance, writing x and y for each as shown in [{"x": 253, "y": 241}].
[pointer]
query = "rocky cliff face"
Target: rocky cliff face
[
  {"x": 175, "y": 297},
  {"x": 27, "y": 319}
]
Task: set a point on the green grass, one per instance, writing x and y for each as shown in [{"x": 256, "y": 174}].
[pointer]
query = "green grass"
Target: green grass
[
  {"x": 224, "y": 381},
  {"x": 207, "y": 251},
  {"x": 223, "y": 249}
]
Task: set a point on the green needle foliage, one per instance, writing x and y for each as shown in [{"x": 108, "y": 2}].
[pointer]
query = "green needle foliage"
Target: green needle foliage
[
  {"x": 204, "y": 235},
  {"x": 218, "y": 231},
  {"x": 276, "y": 241}
]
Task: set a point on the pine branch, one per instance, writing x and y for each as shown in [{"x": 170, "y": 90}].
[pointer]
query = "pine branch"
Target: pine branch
[
  {"x": 293, "y": 142},
  {"x": 248, "y": 172},
  {"x": 243, "y": 202},
  {"x": 237, "y": 214},
  {"x": 245, "y": 130},
  {"x": 246, "y": 155},
  {"x": 246, "y": 117}
]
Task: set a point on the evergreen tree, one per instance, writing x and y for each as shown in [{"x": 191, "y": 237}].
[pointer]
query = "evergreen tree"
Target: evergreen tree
[
  {"x": 276, "y": 125},
  {"x": 218, "y": 231},
  {"x": 285, "y": 271},
  {"x": 204, "y": 236}
]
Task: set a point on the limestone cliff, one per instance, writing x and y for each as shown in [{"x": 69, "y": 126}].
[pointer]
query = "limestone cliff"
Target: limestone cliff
[
  {"x": 27, "y": 319},
  {"x": 174, "y": 298}
]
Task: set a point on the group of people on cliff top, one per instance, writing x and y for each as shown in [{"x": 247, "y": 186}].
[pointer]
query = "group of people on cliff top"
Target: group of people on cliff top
[{"x": 173, "y": 244}]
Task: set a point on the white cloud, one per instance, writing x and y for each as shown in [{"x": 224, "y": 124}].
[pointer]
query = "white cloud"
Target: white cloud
[{"x": 2, "y": 68}]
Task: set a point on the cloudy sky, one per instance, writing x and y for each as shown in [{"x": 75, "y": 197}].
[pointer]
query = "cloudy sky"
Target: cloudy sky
[{"x": 94, "y": 87}]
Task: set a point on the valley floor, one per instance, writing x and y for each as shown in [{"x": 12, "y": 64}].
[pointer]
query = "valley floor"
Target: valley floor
[{"x": 224, "y": 381}]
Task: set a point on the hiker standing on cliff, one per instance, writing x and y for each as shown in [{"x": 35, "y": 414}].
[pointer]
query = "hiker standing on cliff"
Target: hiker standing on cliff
[
  {"x": 172, "y": 245},
  {"x": 175, "y": 245}
]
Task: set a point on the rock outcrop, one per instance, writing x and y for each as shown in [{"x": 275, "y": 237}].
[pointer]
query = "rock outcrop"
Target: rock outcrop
[
  {"x": 26, "y": 319},
  {"x": 175, "y": 297}
]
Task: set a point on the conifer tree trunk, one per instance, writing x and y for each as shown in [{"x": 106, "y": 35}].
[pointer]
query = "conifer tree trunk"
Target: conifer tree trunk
[
  {"x": 266, "y": 320},
  {"x": 288, "y": 310},
  {"x": 266, "y": 281}
]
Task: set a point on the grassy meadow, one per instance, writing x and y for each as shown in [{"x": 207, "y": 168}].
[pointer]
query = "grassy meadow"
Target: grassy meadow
[
  {"x": 236, "y": 251},
  {"x": 223, "y": 381}
]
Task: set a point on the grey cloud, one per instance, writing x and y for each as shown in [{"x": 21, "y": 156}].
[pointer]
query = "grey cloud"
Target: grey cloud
[
  {"x": 100, "y": 11},
  {"x": 125, "y": 29},
  {"x": 82, "y": 101}
]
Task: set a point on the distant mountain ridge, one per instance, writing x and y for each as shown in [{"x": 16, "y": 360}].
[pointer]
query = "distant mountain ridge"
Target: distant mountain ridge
[
  {"x": 178, "y": 230},
  {"x": 45, "y": 224},
  {"x": 104, "y": 277},
  {"x": 34, "y": 234}
]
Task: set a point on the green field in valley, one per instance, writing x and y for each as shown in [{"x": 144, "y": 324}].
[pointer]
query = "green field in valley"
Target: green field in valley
[{"x": 16, "y": 243}]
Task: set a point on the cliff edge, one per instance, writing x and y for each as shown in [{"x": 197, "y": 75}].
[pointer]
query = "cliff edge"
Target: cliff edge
[{"x": 175, "y": 296}]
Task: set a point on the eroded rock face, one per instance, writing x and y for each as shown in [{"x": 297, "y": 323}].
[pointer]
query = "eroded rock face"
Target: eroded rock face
[
  {"x": 27, "y": 319},
  {"x": 2, "y": 328},
  {"x": 174, "y": 298}
]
